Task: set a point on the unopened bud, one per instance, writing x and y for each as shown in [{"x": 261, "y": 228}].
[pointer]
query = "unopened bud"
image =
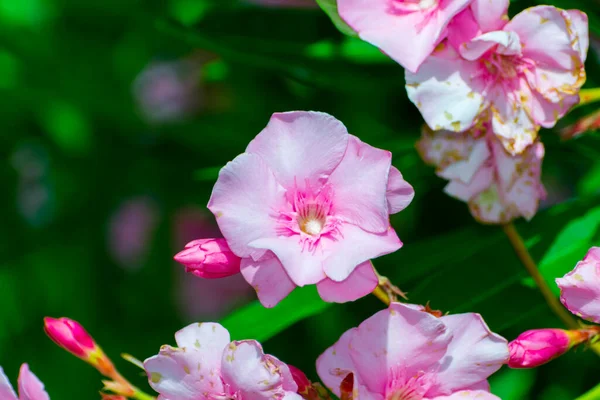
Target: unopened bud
[
  {"x": 71, "y": 336},
  {"x": 209, "y": 258},
  {"x": 539, "y": 346},
  {"x": 300, "y": 379}
]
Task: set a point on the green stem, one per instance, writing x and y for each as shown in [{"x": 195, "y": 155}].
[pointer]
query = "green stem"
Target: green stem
[
  {"x": 139, "y": 395},
  {"x": 589, "y": 96},
  {"x": 592, "y": 394}
]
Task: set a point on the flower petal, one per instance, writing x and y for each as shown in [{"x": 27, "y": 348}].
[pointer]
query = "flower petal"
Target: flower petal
[
  {"x": 30, "y": 387},
  {"x": 354, "y": 248},
  {"x": 399, "y": 193},
  {"x": 301, "y": 145},
  {"x": 6, "y": 390},
  {"x": 251, "y": 373},
  {"x": 183, "y": 375},
  {"x": 473, "y": 355},
  {"x": 360, "y": 184},
  {"x": 335, "y": 363},
  {"x": 506, "y": 43},
  {"x": 209, "y": 336},
  {"x": 379, "y": 24},
  {"x": 398, "y": 337},
  {"x": 304, "y": 267},
  {"x": 244, "y": 200},
  {"x": 580, "y": 26},
  {"x": 580, "y": 289},
  {"x": 445, "y": 92},
  {"x": 490, "y": 15},
  {"x": 465, "y": 170},
  {"x": 482, "y": 180},
  {"x": 359, "y": 283},
  {"x": 268, "y": 278}
]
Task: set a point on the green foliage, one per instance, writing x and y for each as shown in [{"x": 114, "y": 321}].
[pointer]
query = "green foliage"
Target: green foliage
[{"x": 330, "y": 8}]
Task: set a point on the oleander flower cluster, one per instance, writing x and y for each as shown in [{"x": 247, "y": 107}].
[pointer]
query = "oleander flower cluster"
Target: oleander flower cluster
[{"x": 472, "y": 71}]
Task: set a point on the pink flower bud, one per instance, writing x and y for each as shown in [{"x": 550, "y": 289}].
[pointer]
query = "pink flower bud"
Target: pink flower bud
[
  {"x": 209, "y": 258},
  {"x": 539, "y": 346},
  {"x": 70, "y": 335},
  {"x": 301, "y": 380}
]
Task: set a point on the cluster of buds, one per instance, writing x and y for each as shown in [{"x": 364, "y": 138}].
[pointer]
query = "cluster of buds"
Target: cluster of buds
[{"x": 540, "y": 346}]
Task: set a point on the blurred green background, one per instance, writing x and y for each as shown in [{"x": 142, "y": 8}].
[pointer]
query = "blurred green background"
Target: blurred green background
[{"x": 115, "y": 118}]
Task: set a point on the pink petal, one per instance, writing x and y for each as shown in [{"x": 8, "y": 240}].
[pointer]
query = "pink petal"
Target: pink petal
[
  {"x": 442, "y": 149},
  {"x": 593, "y": 254},
  {"x": 473, "y": 355},
  {"x": 444, "y": 92},
  {"x": 244, "y": 200},
  {"x": 335, "y": 363},
  {"x": 30, "y": 387},
  {"x": 468, "y": 394},
  {"x": 398, "y": 337},
  {"x": 355, "y": 247},
  {"x": 268, "y": 278},
  {"x": 420, "y": 31},
  {"x": 506, "y": 43},
  {"x": 360, "y": 184},
  {"x": 544, "y": 34},
  {"x": 491, "y": 15},
  {"x": 488, "y": 208},
  {"x": 252, "y": 374},
  {"x": 463, "y": 28},
  {"x": 359, "y": 283},
  {"x": 580, "y": 289},
  {"x": 304, "y": 267},
  {"x": 301, "y": 145},
  {"x": 399, "y": 193},
  {"x": 6, "y": 390}
]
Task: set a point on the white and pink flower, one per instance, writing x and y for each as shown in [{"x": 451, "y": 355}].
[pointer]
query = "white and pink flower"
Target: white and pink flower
[
  {"x": 497, "y": 187},
  {"x": 308, "y": 203},
  {"x": 528, "y": 74},
  {"x": 207, "y": 365},
  {"x": 30, "y": 387},
  {"x": 402, "y": 353},
  {"x": 580, "y": 288}
]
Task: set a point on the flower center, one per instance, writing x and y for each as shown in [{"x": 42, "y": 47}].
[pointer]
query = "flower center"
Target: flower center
[
  {"x": 312, "y": 219},
  {"x": 402, "y": 388}
]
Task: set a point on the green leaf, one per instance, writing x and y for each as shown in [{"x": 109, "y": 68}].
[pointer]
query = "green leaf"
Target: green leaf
[
  {"x": 257, "y": 322},
  {"x": 330, "y": 8},
  {"x": 570, "y": 246},
  {"x": 513, "y": 384}
]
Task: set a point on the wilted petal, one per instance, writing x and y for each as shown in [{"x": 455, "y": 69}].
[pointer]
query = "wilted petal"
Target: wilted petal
[
  {"x": 359, "y": 283},
  {"x": 252, "y": 374},
  {"x": 444, "y": 91},
  {"x": 268, "y": 278}
]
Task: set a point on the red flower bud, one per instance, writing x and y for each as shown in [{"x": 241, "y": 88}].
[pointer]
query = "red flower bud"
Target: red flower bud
[
  {"x": 301, "y": 380},
  {"x": 209, "y": 258}
]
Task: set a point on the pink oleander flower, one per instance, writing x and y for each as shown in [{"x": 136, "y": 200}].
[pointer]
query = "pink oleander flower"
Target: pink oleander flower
[
  {"x": 539, "y": 346},
  {"x": 580, "y": 288},
  {"x": 30, "y": 387},
  {"x": 72, "y": 337},
  {"x": 206, "y": 365},
  {"x": 209, "y": 258},
  {"x": 497, "y": 187},
  {"x": 406, "y": 30},
  {"x": 308, "y": 203},
  {"x": 480, "y": 17},
  {"x": 527, "y": 75},
  {"x": 402, "y": 353}
]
